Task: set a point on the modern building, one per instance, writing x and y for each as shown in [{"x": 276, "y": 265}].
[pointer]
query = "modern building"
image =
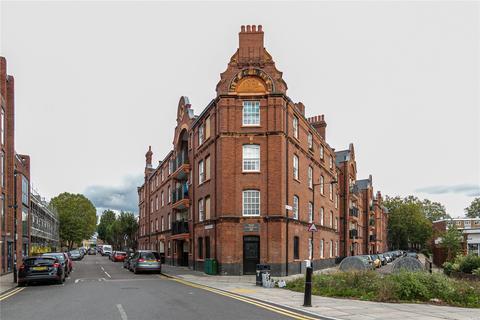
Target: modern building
[
  {"x": 14, "y": 182},
  {"x": 470, "y": 228},
  {"x": 44, "y": 226},
  {"x": 245, "y": 178}
]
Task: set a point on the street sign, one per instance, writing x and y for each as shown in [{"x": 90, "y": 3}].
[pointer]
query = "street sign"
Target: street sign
[
  {"x": 288, "y": 207},
  {"x": 312, "y": 228}
]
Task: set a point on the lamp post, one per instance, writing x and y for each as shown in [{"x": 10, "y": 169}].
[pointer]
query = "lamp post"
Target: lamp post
[{"x": 15, "y": 234}]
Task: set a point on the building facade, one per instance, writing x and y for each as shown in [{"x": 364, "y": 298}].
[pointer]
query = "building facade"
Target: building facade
[
  {"x": 14, "y": 182},
  {"x": 44, "y": 226},
  {"x": 245, "y": 178}
]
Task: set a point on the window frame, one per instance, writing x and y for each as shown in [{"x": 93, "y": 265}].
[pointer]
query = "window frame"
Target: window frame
[
  {"x": 251, "y": 118},
  {"x": 296, "y": 167},
  {"x": 295, "y": 207},
  {"x": 244, "y": 210},
  {"x": 295, "y": 127},
  {"x": 252, "y": 161}
]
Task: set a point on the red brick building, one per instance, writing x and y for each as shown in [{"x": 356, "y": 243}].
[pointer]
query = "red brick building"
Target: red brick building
[
  {"x": 363, "y": 217},
  {"x": 245, "y": 178},
  {"x": 14, "y": 172}
]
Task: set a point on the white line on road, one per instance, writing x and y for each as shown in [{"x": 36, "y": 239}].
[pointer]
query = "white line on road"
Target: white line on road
[
  {"x": 102, "y": 268},
  {"x": 107, "y": 274},
  {"x": 76, "y": 280},
  {"x": 122, "y": 312}
]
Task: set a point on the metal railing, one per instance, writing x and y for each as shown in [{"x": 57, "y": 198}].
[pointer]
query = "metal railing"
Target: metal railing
[
  {"x": 180, "y": 193},
  {"x": 179, "y": 227},
  {"x": 354, "y": 211}
]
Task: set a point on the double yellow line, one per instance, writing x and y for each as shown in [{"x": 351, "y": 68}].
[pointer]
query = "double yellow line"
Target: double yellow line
[
  {"x": 10, "y": 293},
  {"x": 257, "y": 303}
]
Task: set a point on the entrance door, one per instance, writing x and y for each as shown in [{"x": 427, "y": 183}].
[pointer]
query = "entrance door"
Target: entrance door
[{"x": 251, "y": 254}]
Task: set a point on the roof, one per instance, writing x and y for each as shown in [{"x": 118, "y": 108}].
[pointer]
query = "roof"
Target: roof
[
  {"x": 363, "y": 184},
  {"x": 342, "y": 156}
]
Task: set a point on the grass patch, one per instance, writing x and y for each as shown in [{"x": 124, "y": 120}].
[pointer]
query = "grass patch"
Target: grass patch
[{"x": 399, "y": 287}]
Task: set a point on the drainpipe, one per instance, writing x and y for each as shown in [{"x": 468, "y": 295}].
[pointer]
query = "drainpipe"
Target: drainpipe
[{"x": 286, "y": 188}]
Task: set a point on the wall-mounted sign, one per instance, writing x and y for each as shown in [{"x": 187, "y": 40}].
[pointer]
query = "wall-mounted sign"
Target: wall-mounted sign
[
  {"x": 251, "y": 227},
  {"x": 209, "y": 226}
]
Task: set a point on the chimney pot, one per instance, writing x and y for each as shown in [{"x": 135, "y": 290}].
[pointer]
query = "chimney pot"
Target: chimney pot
[
  {"x": 242, "y": 29},
  {"x": 260, "y": 28},
  {"x": 249, "y": 28}
]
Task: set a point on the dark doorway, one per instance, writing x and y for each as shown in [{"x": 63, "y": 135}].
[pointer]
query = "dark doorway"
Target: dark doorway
[
  {"x": 251, "y": 254},
  {"x": 182, "y": 253}
]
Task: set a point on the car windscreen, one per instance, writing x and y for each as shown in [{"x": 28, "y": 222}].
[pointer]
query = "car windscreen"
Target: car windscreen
[
  {"x": 59, "y": 256},
  {"x": 149, "y": 255},
  {"x": 75, "y": 252},
  {"x": 40, "y": 261}
]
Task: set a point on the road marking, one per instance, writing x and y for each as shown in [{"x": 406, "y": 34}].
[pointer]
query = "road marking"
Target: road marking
[
  {"x": 260, "y": 304},
  {"x": 102, "y": 269},
  {"x": 10, "y": 293},
  {"x": 76, "y": 280},
  {"x": 107, "y": 274},
  {"x": 122, "y": 312}
]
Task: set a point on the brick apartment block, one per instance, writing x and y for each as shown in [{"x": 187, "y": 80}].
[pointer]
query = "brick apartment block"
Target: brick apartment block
[
  {"x": 12, "y": 166},
  {"x": 246, "y": 177}
]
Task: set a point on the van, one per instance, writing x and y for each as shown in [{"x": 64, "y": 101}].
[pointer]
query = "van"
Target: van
[{"x": 106, "y": 250}]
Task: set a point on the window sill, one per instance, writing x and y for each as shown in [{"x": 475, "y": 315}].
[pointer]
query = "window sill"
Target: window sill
[
  {"x": 251, "y": 126},
  {"x": 295, "y": 179},
  {"x": 244, "y": 171},
  {"x": 250, "y": 215}
]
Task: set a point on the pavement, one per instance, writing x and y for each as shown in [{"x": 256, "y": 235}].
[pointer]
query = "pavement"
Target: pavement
[
  {"x": 323, "y": 307},
  {"x": 6, "y": 283},
  {"x": 101, "y": 289}
]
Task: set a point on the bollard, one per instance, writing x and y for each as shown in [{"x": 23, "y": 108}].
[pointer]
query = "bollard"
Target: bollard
[{"x": 307, "y": 299}]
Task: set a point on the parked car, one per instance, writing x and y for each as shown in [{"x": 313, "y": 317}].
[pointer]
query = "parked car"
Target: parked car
[
  {"x": 41, "y": 268},
  {"x": 412, "y": 254},
  {"x": 376, "y": 260},
  {"x": 145, "y": 260},
  {"x": 110, "y": 257},
  {"x": 119, "y": 256},
  {"x": 92, "y": 251},
  {"x": 126, "y": 261},
  {"x": 106, "y": 250},
  {"x": 388, "y": 257},
  {"x": 63, "y": 260},
  {"x": 76, "y": 255},
  {"x": 369, "y": 260},
  {"x": 382, "y": 259}
]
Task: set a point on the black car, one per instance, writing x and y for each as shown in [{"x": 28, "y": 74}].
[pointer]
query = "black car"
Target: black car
[
  {"x": 60, "y": 256},
  {"x": 41, "y": 268}
]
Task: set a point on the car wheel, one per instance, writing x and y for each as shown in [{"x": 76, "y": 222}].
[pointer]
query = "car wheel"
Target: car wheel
[
  {"x": 22, "y": 284},
  {"x": 135, "y": 271}
]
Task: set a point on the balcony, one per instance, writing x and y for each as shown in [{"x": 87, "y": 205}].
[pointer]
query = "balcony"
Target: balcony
[
  {"x": 179, "y": 227},
  {"x": 181, "y": 165},
  {"x": 353, "y": 233},
  {"x": 354, "y": 212},
  {"x": 373, "y": 238},
  {"x": 180, "y": 199}
]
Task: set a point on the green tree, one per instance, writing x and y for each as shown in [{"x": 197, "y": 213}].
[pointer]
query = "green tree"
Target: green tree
[
  {"x": 408, "y": 226},
  {"x": 473, "y": 210},
  {"x": 129, "y": 226},
  {"x": 434, "y": 210},
  {"x": 107, "y": 219},
  {"x": 452, "y": 242},
  {"x": 77, "y": 215}
]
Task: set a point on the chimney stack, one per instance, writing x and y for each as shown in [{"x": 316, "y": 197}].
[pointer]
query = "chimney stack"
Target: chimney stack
[
  {"x": 318, "y": 122},
  {"x": 250, "y": 47}
]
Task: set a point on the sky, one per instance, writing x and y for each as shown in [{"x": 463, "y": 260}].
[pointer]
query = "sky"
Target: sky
[{"x": 98, "y": 82}]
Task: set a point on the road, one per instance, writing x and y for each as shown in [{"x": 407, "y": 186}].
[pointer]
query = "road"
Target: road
[{"x": 99, "y": 289}]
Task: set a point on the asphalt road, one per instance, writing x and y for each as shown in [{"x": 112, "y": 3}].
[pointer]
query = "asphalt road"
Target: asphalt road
[{"x": 99, "y": 289}]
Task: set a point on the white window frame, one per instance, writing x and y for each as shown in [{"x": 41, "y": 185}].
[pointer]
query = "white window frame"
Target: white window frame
[
  {"x": 310, "y": 177},
  {"x": 251, "y": 113},
  {"x": 322, "y": 244},
  {"x": 295, "y": 127},
  {"x": 295, "y": 206},
  {"x": 322, "y": 216},
  {"x": 201, "y": 135},
  {"x": 322, "y": 152},
  {"x": 331, "y": 249},
  {"x": 336, "y": 248},
  {"x": 310, "y": 212},
  {"x": 295, "y": 166},
  {"x": 322, "y": 182},
  {"x": 169, "y": 194},
  {"x": 251, "y": 203},
  {"x": 162, "y": 198},
  {"x": 201, "y": 172},
  {"x": 330, "y": 188},
  {"x": 310, "y": 141},
  {"x": 201, "y": 210},
  {"x": 251, "y": 158},
  {"x": 331, "y": 162}
]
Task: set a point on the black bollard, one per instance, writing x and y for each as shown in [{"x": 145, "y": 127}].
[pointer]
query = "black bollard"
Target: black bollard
[{"x": 307, "y": 299}]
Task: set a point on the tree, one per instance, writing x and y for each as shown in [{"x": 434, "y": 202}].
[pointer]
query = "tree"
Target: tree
[
  {"x": 452, "y": 242},
  {"x": 107, "y": 219},
  {"x": 473, "y": 210},
  {"x": 129, "y": 226},
  {"x": 434, "y": 210},
  {"x": 77, "y": 216},
  {"x": 408, "y": 226}
]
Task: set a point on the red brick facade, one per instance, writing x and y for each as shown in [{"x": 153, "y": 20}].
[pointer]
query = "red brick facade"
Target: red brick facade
[
  {"x": 245, "y": 177},
  {"x": 12, "y": 166}
]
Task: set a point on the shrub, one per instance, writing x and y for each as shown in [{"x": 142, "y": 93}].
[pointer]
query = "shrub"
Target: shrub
[
  {"x": 469, "y": 263},
  {"x": 447, "y": 268},
  {"x": 402, "y": 286},
  {"x": 476, "y": 272}
]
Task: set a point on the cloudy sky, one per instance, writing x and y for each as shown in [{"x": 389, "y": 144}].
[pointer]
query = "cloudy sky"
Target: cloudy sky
[{"x": 96, "y": 83}]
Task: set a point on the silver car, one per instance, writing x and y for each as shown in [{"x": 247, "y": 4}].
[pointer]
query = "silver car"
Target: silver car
[{"x": 145, "y": 260}]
